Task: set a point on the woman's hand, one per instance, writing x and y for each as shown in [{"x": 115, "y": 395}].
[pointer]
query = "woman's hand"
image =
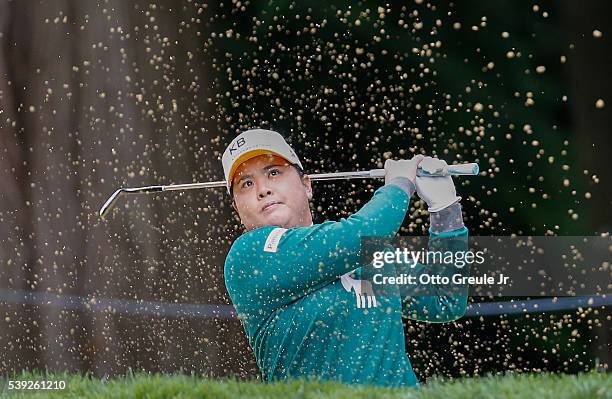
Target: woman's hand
[
  {"x": 402, "y": 168},
  {"x": 438, "y": 191}
]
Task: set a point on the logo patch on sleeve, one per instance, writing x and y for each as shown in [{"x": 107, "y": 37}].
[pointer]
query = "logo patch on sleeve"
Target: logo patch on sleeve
[{"x": 273, "y": 239}]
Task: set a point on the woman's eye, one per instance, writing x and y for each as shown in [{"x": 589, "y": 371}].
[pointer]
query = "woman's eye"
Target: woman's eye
[
  {"x": 274, "y": 172},
  {"x": 247, "y": 183}
]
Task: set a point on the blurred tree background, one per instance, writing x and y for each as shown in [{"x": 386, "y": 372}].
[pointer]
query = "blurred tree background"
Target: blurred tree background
[{"x": 97, "y": 95}]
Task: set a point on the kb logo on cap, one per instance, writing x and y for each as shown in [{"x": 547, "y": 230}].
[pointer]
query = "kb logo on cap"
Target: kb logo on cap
[{"x": 239, "y": 143}]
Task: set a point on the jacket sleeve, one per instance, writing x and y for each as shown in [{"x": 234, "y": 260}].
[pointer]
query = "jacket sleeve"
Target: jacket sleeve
[
  {"x": 446, "y": 233},
  {"x": 305, "y": 258}
]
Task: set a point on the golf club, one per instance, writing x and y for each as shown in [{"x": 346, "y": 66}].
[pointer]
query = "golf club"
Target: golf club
[{"x": 462, "y": 169}]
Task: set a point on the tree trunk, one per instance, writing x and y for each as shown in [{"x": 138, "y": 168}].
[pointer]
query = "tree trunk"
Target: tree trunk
[{"x": 95, "y": 96}]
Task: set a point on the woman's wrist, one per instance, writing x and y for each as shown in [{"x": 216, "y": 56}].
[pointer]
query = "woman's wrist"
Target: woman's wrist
[
  {"x": 447, "y": 219},
  {"x": 405, "y": 184}
]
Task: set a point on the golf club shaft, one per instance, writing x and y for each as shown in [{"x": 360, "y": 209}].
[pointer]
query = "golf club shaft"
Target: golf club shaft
[{"x": 463, "y": 169}]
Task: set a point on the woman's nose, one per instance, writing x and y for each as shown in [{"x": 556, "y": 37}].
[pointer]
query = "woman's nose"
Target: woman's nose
[{"x": 264, "y": 192}]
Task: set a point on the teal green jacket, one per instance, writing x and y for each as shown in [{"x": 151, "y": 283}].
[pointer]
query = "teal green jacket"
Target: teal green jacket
[{"x": 300, "y": 305}]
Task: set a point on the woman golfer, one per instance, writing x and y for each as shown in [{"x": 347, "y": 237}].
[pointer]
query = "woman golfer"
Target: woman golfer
[{"x": 293, "y": 282}]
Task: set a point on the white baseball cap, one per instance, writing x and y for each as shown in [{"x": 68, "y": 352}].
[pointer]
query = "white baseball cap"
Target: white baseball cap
[{"x": 252, "y": 143}]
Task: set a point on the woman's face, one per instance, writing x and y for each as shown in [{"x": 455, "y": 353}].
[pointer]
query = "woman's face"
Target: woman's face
[{"x": 268, "y": 191}]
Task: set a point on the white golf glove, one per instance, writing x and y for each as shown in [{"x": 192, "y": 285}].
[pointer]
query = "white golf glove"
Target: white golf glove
[
  {"x": 402, "y": 168},
  {"x": 438, "y": 191}
]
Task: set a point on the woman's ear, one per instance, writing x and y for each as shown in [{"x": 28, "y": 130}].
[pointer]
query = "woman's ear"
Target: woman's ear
[
  {"x": 308, "y": 185},
  {"x": 234, "y": 205}
]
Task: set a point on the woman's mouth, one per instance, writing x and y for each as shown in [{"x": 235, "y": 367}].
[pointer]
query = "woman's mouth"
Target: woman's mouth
[{"x": 270, "y": 206}]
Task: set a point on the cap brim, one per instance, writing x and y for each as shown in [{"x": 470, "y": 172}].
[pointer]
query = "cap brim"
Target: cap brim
[{"x": 249, "y": 155}]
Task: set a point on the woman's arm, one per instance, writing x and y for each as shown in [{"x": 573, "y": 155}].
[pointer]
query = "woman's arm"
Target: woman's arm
[
  {"x": 280, "y": 265},
  {"x": 446, "y": 233}
]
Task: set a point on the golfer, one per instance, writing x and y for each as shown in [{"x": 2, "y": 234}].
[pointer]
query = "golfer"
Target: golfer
[{"x": 295, "y": 285}]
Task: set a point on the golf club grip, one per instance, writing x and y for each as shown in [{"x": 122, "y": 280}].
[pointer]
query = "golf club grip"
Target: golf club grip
[{"x": 463, "y": 169}]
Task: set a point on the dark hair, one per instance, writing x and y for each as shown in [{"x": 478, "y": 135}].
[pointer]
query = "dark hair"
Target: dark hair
[{"x": 299, "y": 170}]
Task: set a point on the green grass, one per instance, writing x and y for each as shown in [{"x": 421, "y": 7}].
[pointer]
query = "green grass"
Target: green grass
[{"x": 140, "y": 385}]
